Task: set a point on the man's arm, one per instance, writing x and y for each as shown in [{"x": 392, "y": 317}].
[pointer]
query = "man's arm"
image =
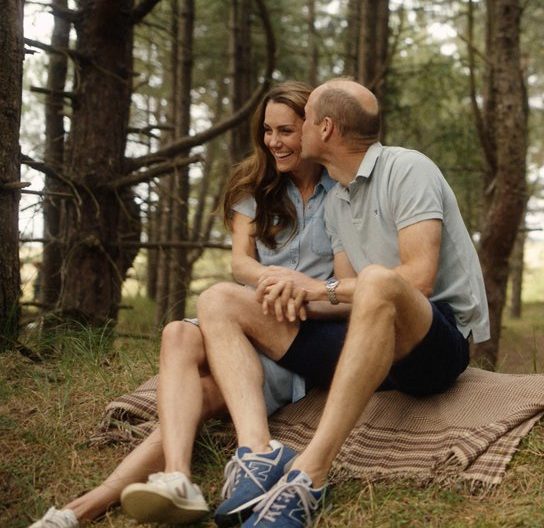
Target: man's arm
[{"x": 419, "y": 250}]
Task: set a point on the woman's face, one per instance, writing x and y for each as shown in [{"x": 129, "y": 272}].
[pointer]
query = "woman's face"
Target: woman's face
[{"x": 282, "y": 135}]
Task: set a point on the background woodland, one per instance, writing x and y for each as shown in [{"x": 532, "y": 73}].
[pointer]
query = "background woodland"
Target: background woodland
[{"x": 131, "y": 114}]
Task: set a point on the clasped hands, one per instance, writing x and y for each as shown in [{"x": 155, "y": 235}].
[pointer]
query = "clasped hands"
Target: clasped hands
[{"x": 285, "y": 292}]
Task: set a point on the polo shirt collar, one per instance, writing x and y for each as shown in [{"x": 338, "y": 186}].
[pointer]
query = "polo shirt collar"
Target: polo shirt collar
[{"x": 369, "y": 160}]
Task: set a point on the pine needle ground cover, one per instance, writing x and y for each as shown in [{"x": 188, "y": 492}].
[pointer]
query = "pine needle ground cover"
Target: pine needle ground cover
[{"x": 50, "y": 409}]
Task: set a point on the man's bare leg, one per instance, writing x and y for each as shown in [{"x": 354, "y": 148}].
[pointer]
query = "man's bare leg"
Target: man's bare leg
[
  {"x": 232, "y": 322},
  {"x": 184, "y": 384},
  {"x": 389, "y": 318}
]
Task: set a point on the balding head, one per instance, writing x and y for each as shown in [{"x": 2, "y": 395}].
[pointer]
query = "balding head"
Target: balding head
[{"x": 353, "y": 108}]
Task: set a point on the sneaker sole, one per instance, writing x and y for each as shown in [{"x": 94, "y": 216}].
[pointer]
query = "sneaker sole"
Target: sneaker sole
[
  {"x": 151, "y": 506},
  {"x": 238, "y": 515}
]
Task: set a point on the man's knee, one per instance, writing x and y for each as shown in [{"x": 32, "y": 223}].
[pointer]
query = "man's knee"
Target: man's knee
[{"x": 378, "y": 284}]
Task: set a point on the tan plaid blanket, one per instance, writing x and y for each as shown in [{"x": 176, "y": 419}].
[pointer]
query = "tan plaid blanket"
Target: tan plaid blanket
[{"x": 469, "y": 433}]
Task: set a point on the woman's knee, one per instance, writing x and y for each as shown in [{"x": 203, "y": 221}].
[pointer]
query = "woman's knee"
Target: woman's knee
[{"x": 182, "y": 340}]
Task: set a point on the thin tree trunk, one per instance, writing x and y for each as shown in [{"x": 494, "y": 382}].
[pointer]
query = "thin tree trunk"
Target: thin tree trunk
[
  {"x": 517, "y": 267},
  {"x": 153, "y": 212},
  {"x": 313, "y": 48},
  {"x": 351, "y": 57},
  {"x": 164, "y": 214},
  {"x": 179, "y": 270},
  {"x": 373, "y": 50},
  {"x": 505, "y": 118},
  {"x": 54, "y": 157},
  {"x": 240, "y": 57},
  {"x": 167, "y": 185},
  {"x": 11, "y": 78}
]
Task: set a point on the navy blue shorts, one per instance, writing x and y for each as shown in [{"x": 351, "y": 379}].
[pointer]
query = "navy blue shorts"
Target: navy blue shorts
[{"x": 432, "y": 367}]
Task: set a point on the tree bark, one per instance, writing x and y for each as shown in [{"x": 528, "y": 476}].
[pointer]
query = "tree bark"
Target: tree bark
[
  {"x": 166, "y": 186},
  {"x": 373, "y": 50},
  {"x": 180, "y": 274},
  {"x": 11, "y": 78},
  {"x": 313, "y": 48},
  {"x": 517, "y": 267},
  {"x": 94, "y": 266},
  {"x": 351, "y": 60},
  {"x": 240, "y": 60},
  {"x": 54, "y": 157},
  {"x": 505, "y": 119}
]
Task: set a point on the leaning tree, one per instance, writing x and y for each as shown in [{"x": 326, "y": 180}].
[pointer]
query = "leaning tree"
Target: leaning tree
[{"x": 100, "y": 226}]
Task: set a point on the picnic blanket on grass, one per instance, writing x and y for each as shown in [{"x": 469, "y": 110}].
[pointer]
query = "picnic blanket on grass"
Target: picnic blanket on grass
[{"x": 468, "y": 433}]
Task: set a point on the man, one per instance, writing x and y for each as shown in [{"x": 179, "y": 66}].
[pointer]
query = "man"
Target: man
[{"x": 416, "y": 296}]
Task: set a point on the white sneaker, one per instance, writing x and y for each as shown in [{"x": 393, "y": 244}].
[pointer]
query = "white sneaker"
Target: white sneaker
[
  {"x": 57, "y": 519},
  {"x": 165, "y": 498}
]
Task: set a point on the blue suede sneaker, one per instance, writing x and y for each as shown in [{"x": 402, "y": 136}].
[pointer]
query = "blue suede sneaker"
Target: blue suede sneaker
[
  {"x": 291, "y": 503},
  {"x": 248, "y": 476}
]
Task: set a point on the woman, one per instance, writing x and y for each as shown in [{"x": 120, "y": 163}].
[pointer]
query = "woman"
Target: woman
[{"x": 274, "y": 208}]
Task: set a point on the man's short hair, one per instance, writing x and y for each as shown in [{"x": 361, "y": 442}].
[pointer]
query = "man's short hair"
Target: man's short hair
[{"x": 351, "y": 119}]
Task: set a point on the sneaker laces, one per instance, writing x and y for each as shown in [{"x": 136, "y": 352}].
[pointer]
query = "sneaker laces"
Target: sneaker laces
[
  {"x": 279, "y": 497},
  {"x": 233, "y": 473},
  {"x": 159, "y": 478}
]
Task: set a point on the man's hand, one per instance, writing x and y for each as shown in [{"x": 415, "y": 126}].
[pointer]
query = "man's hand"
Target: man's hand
[{"x": 283, "y": 299}]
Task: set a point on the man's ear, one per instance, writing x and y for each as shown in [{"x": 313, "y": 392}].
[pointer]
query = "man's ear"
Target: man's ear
[{"x": 327, "y": 128}]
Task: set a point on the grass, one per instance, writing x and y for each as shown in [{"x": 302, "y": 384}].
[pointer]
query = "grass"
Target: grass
[{"x": 49, "y": 410}]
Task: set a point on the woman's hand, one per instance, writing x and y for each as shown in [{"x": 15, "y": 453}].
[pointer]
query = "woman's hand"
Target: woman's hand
[
  {"x": 283, "y": 299},
  {"x": 285, "y": 292},
  {"x": 274, "y": 274}
]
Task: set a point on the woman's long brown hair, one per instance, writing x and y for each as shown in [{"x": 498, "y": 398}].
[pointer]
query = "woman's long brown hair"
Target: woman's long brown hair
[{"x": 257, "y": 176}]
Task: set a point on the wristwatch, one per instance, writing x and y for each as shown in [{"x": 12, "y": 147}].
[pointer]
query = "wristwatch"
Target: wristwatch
[{"x": 331, "y": 285}]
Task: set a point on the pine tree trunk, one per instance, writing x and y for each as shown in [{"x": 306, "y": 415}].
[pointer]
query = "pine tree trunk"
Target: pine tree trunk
[
  {"x": 505, "y": 116},
  {"x": 167, "y": 185},
  {"x": 153, "y": 213},
  {"x": 164, "y": 214},
  {"x": 11, "y": 77},
  {"x": 95, "y": 266},
  {"x": 179, "y": 269},
  {"x": 351, "y": 60},
  {"x": 54, "y": 156},
  {"x": 240, "y": 59},
  {"x": 373, "y": 50},
  {"x": 517, "y": 266},
  {"x": 313, "y": 48}
]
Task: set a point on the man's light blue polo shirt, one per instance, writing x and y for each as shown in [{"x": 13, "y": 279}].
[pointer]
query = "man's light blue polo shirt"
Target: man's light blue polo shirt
[{"x": 393, "y": 189}]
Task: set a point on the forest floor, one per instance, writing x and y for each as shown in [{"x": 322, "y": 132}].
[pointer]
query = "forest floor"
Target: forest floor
[{"x": 49, "y": 410}]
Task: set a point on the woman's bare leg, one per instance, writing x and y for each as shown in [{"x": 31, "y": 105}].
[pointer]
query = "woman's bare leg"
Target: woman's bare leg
[
  {"x": 146, "y": 458},
  {"x": 187, "y": 396},
  {"x": 187, "y": 393}
]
